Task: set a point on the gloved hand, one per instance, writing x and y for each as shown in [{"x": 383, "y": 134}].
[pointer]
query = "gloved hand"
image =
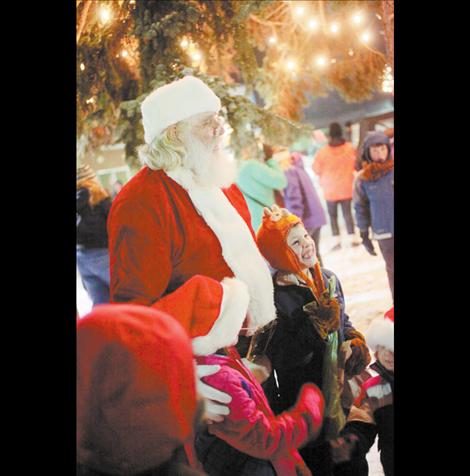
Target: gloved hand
[
  {"x": 359, "y": 358},
  {"x": 366, "y": 241},
  {"x": 214, "y": 412},
  {"x": 341, "y": 448},
  {"x": 260, "y": 372}
]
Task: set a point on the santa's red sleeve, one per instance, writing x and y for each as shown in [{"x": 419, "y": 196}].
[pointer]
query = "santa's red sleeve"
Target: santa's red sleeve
[
  {"x": 251, "y": 431},
  {"x": 138, "y": 239},
  {"x": 211, "y": 311}
]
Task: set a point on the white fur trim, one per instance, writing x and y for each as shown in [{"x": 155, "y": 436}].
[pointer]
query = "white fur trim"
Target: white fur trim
[
  {"x": 227, "y": 326},
  {"x": 380, "y": 332},
  {"x": 175, "y": 102},
  {"x": 239, "y": 249}
]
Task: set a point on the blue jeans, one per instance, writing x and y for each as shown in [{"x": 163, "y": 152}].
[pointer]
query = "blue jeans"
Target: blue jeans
[
  {"x": 93, "y": 265},
  {"x": 332, "y": 207},
  {"x": 387, "y": 248}
]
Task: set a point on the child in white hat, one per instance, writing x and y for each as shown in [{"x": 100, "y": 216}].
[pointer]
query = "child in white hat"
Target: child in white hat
[{"x": 372, "y": 412}]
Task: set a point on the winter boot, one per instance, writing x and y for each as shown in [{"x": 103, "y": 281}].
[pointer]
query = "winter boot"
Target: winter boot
[
  {"x": 353, "y": 241},
  {"x": 337, "y": 243}
]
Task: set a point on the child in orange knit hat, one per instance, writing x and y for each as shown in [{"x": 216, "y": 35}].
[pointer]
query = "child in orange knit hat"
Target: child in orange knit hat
[{"x": 313, "y": 340}]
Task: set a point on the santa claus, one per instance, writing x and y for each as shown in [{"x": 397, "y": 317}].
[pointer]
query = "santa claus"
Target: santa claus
[{"x": 181, "y": 217}]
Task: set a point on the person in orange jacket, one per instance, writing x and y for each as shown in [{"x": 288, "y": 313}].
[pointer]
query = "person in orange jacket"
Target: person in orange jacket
[{"x": 334, "y": 164}]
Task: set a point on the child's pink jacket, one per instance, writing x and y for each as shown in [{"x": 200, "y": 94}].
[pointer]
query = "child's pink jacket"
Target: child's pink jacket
[{"x": 252, "y": 427}]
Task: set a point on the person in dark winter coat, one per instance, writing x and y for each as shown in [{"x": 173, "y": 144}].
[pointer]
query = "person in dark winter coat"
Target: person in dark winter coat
[
  {"x": 301, "y": 199},
  {"x": 372, "y": 412},
  {"x": 373, "y": 199},
  {"x": 93, "y": 205},
  {"x": 313, "y": 340}
]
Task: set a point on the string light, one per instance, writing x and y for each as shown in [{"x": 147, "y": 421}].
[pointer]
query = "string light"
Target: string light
[
  {"x": 124, "y": 53},
  {"x": 351, "y": 52},
  {"x": 365, "y": 37},
  {"x": 357, "y": 18},
  {"x": 272, "y": 40},
  {"x": 184, "y": 43},
  {"x": 312, "y": 24},
  {"x": 334, "y": 28},
  {"x": 196, "y": 56},
  {"x": 105, "y": 14},
  {"x": 290, "y": 65},
  {"x": 320, "y": 61},
  {"x": 299, "y": 11},
  {"x": 333, "y": 61},
  {"x": 90, "y": 100},
  {"x": 82, "y": 66}
]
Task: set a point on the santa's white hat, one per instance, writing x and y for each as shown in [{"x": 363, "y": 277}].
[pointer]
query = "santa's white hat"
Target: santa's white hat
[
  {"x": 175, "y": 102},
  {"x": 380, "y": 332}
]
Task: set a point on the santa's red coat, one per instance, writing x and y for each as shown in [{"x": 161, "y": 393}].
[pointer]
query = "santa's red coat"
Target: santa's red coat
[{"x": 157, "y": 239}]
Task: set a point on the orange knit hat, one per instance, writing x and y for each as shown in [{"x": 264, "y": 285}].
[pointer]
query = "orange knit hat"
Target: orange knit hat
[{"x": 272, "y": 239}]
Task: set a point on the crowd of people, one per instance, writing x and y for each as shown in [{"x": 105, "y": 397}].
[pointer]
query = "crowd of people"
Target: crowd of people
[{"x": 221, "y": 345}]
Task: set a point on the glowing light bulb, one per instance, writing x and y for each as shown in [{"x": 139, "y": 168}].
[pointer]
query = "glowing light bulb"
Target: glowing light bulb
[
  {"x": 365, "y": 37},
  {"x": 124, "y": 53},
  {"x": 90, "y": 101},
  {"x": 196, "y": 56},
  {"x": 357, "y": 18},
  {"x": 350, "y": 52},
  {"x": 105, "y": 14},
  {"x": 333, "y": 61},
  {"x": 272, "y": 40},
  {"x": 299, "y": 11},
  {"x": 312, "y": 24},
  {"x": 82, "y": 66},
  {"x": 320, "y": 61},
  {"x": 334, "y": 28},
  {"x": 184, "y": 43},
  {"x": 290, "y": 65}
]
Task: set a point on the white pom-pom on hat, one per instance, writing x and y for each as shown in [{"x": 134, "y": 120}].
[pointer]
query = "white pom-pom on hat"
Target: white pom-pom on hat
[
  {"x": 175, "y": 102},
  {"x": 381, "y": 332}
]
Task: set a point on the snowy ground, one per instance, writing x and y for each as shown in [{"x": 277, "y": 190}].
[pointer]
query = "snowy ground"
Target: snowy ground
[{"x": 365, "y": 287}]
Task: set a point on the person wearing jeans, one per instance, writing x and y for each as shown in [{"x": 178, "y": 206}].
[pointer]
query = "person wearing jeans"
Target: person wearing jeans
[
  {"x": 334, "y": 164},
  {"x": 93, "y": 205},
  {"x": 374, "y": 198}
]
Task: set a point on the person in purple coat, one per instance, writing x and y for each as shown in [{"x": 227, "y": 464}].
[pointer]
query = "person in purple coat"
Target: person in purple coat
[{"x": 302, "y": 199}]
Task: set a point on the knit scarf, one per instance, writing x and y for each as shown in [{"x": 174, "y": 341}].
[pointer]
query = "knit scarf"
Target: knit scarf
[
  {"x": 374, "y": 170},
  {"x": 324, "y": 313}
]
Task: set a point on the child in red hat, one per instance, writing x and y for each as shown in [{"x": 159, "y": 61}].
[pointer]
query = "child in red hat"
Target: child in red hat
[
  {"x": 372, "y": 412},
  {"x": 314, "y": 340},
  {"x": 136, "y": 394}
]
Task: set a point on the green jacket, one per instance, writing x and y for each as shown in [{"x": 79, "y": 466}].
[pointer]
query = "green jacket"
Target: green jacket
[{"x": 257, "y": 181}]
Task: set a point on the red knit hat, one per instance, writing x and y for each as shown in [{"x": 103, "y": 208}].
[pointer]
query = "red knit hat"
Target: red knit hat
[
  {"x": 136, "y": 396},
  {"x": 272, "y": 239}
]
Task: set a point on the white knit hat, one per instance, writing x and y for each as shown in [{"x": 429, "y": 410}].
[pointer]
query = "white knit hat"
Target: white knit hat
[
  {"x": 380, "y": 332},
  {"x": 175, "y": 102}
]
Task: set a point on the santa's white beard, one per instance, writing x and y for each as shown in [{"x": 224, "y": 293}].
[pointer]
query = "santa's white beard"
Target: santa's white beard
[{"x": 210, "y": 167}]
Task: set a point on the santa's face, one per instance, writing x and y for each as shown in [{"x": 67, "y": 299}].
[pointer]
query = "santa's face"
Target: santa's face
[
  {"x": 208, "y": 129},
  {"x": 386, "y": 357},
  {"x": 202, "y": 138},
  {"x": 302, "y": 244}
]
